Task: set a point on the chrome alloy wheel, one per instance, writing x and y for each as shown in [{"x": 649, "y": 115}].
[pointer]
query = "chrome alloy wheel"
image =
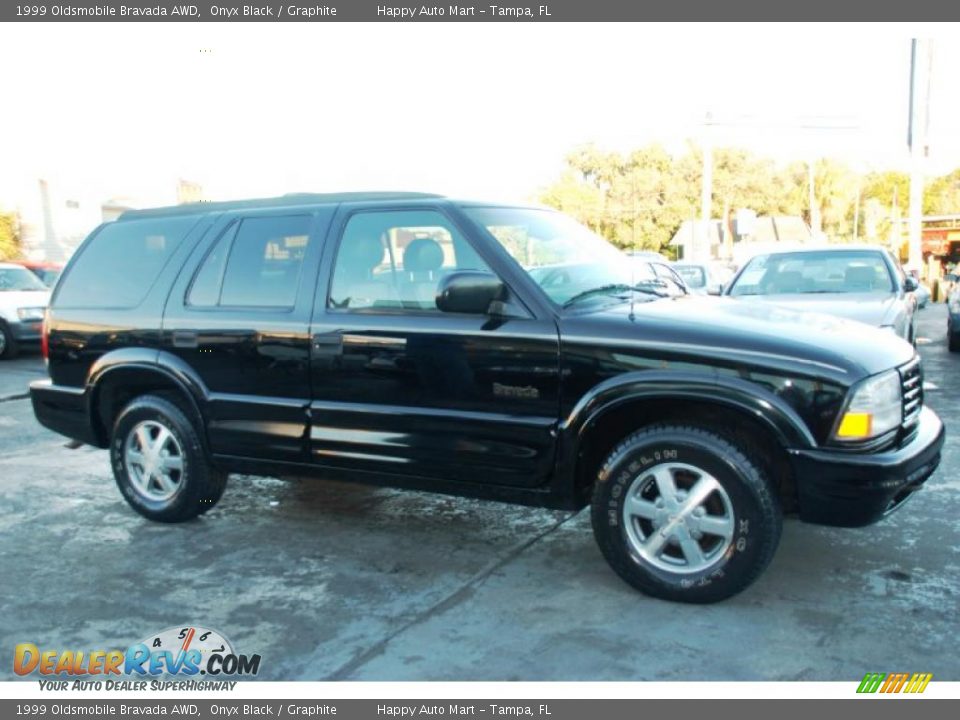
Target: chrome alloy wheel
[
  {"x": 678, "y": 518},
  {"x": 154, "y": 461}
]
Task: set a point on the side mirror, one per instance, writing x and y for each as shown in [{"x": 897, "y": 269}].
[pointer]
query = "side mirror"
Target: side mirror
[
  {"x": 910, "y": 284},
  {"x": 469, "y": 291},
  {"x": 715, "y": 289}
]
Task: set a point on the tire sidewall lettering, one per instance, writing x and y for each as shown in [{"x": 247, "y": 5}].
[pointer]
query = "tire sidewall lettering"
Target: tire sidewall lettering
[{"x": 621, "y": 476}]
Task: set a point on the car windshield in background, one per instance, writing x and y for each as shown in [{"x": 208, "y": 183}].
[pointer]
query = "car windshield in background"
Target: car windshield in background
[
  {"x": 564, "y": 258},
  {"x": 801, "y": 273},
  {"x": 19, "y": 279},
  {"x": 693, "y": 275}
]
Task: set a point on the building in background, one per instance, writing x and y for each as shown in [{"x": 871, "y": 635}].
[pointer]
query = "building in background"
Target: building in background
[
  {"x": 189, "y": 192},
  {"x": 765, "y": 233}
]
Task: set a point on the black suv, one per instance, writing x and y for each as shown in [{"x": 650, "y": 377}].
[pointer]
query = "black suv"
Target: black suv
[{"x": 475, "y": 349}]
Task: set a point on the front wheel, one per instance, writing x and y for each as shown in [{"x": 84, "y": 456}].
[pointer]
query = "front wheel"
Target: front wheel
[
  {"x": 159, "y": 462},
  {"x": 8, "y": 345},
  {"x": 683, "y": 514}
]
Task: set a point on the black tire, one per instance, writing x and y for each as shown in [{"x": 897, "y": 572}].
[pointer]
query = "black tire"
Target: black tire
[
  {"x": 752, "y": 504},
  {"x": 8, "y": 343},
  {"x": 198, "y": 486},
  {"x": 219, "y": 480}
]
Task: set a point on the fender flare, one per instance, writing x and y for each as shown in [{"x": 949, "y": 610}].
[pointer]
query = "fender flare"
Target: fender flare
[
  {"x": 158, "y": 362},
  {"x": 747, "y": 397}
]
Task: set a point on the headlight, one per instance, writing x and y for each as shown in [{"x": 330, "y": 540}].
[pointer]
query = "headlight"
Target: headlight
[
  {"x": 875, "y": 408},
  {"x": 30, "y": 314}
]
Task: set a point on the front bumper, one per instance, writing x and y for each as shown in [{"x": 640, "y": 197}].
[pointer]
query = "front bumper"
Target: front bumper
[
  {"x": 855, "y": 489},
  {"x": 26, "y": 332}
]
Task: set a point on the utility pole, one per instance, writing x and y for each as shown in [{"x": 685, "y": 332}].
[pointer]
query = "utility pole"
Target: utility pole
[
  {"x": 921, "y": 60},
  {"x": 856, "y": 213},
  {"x": 701, "y": 247},
  {"x": 816, "y": 223}
]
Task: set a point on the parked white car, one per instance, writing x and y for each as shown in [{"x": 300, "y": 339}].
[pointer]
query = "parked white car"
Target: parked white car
[
  {"x": 855, "y": 282},
  {"x": 23, "y": 299}
]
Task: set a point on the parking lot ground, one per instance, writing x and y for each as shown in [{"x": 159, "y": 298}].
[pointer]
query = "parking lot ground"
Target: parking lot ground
[
  {"x": 15, "y": 375},
  {"x": 334, "y": 581}
]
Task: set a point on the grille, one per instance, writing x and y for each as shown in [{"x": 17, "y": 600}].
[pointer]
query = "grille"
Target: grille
[{"x": 911, "y": 379}]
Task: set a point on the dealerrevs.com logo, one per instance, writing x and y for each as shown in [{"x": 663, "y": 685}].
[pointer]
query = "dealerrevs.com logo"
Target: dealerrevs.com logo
[{"x": 178, "y": 651}]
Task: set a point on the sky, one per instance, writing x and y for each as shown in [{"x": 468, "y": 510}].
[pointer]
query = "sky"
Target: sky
[{"x": 473, "y": 110}]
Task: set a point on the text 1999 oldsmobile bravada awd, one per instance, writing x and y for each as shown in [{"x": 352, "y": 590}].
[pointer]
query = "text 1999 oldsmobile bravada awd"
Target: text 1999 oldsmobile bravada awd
[{"x": 481, "y": 350}]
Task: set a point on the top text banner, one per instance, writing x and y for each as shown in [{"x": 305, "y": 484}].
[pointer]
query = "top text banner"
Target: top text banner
[{"x": 542, "y": 11}]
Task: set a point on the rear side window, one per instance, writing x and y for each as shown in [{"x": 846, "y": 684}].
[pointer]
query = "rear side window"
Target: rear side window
[
  {"x": 255, "y": 263},
  {"x": 119, "y": 265}
]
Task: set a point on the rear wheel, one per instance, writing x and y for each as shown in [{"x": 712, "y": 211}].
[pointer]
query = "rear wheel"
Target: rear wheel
[
  {"x": 681, "y": 513},
  {"x": 159, "y": 462},
  {"x": 8, "y": 345},
  {"x": 953, "y": 341}
]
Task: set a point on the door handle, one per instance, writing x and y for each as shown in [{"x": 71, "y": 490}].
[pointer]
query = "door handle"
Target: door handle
[
  {"x": 329, "y": 343},
  {"x": 185, "y": 339}
]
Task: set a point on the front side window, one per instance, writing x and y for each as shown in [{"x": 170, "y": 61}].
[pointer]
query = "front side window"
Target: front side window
[
  {"x": 396, "y": 260},
  {"x": 255, "y": 263}
]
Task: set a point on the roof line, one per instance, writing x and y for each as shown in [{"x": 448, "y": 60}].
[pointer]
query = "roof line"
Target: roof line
[{"x": 288, "y": 200}]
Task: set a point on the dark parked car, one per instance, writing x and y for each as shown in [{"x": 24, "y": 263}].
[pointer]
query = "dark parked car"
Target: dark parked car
[
  {"x": 853, "y": 282},
  {"x": 403, "y": 339}
]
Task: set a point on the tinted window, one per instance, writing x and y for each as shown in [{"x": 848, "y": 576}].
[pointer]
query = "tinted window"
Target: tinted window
[
  {"x": 693, "y": 275},
  {"x": 397, "y": 259},
  {"x": 119, "y": 265},
  {"x": 254, "y": 264},
  {"x": 205, "y": 290}
]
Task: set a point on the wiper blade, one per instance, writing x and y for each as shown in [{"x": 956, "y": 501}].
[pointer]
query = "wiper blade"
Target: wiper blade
[
  {"x": 652, "y": 287},
  {"x": 649, "y": 287},
  {"x": 601, "y": 290}
]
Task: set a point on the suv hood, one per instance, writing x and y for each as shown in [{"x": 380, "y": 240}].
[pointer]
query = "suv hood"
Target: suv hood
[
  {"x": 10, "y": 300},
  {"x": 751, "y": 335},
  {"x": 870, "y": 308}
]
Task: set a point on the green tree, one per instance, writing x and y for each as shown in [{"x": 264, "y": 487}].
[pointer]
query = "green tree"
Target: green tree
[
  {"x": 635, "y": 200},
  {"x": 835, "y": 187},
  {"x": 942, "y": 196},
  {"x": 9, "y": 236},
  {"x": 640, "y": 199}
]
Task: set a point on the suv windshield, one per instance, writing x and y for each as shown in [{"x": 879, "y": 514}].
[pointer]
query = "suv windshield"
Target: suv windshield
[
  {"x": 830, "y": 271},
  {"x": 19, "y": 279},
  {"x": 564, "y": 258}
]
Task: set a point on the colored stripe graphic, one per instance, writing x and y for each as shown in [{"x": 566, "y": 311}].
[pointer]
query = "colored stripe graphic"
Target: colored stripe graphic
[{"x": 894, "y": 682}]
